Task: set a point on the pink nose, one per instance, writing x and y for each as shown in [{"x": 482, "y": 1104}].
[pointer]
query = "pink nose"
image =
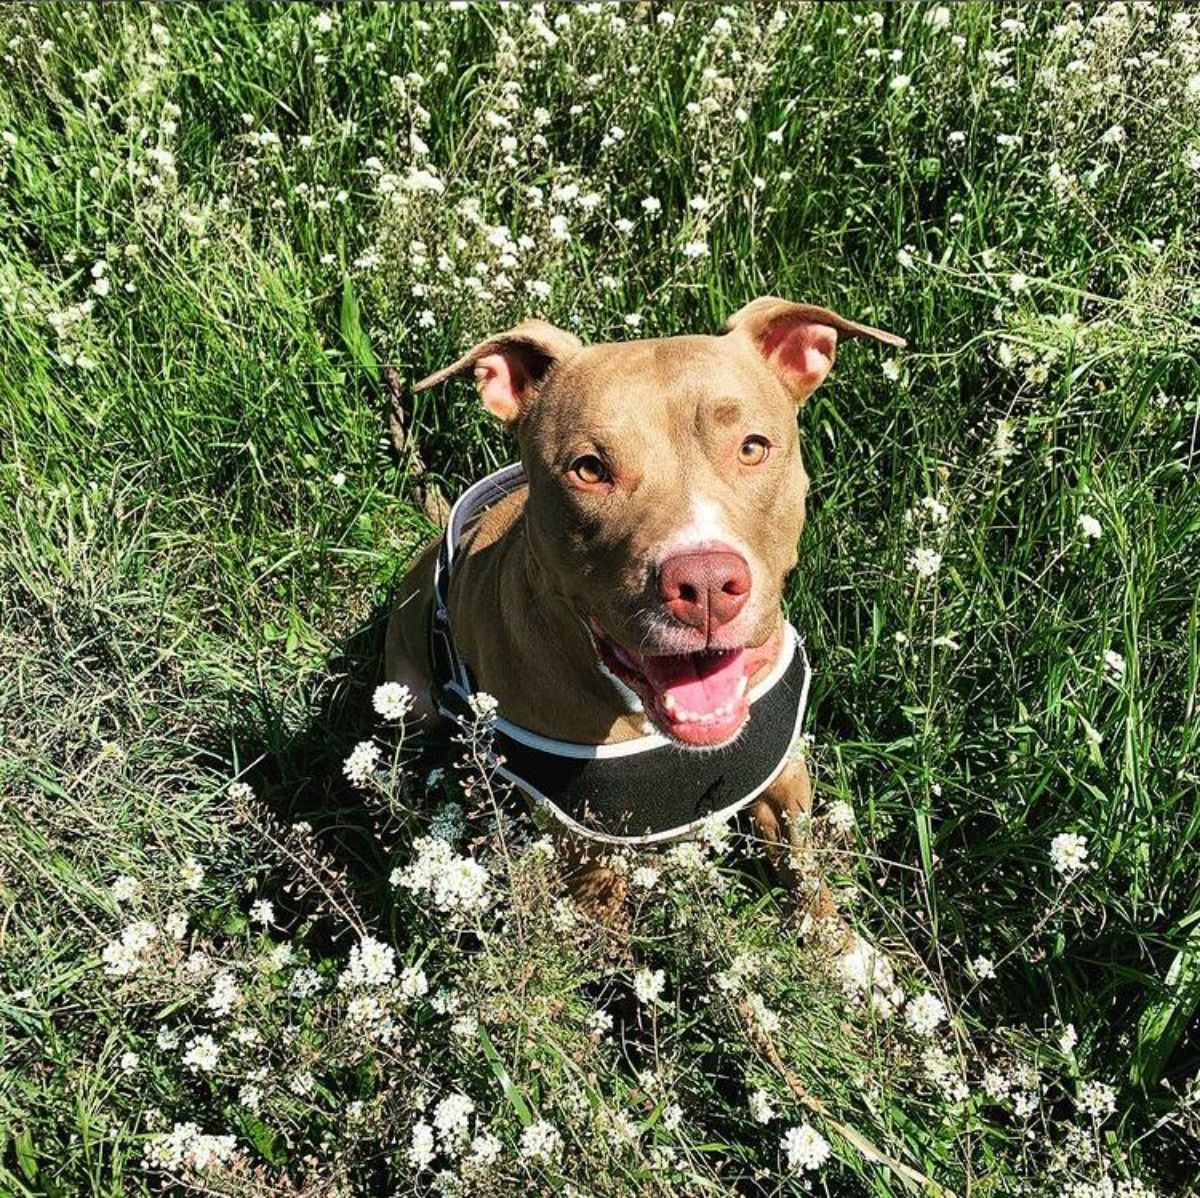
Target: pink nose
[{"x": 704, "y": 590}]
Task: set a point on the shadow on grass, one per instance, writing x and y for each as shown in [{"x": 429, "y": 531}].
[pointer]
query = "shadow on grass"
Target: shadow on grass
[{"x": 297, "y": 775}]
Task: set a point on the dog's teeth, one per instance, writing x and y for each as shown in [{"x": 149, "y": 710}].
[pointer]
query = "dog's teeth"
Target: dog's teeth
[
  {"x": 743, "y": 684},
  {"x": 670, "y": 705}
]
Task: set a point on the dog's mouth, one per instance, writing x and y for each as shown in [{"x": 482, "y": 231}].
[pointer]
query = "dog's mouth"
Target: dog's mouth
[{"x": 700, "y": 699}]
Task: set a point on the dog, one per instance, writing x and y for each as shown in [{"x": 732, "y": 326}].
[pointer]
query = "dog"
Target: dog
[{"x": 620, "y": 594}]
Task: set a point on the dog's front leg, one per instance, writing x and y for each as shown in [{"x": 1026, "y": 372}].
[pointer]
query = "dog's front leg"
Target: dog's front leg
[
  {"x": 782, "y": 815},
  {"x": 598, "y": 889}
]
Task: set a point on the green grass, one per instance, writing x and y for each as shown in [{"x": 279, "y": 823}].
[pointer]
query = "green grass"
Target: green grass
[{"x": 188, "y": 596}]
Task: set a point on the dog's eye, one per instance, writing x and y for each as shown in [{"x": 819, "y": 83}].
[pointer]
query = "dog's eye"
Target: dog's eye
[
  {"x": 590, "y": 469},
  {"x": 754, "y": 451}
]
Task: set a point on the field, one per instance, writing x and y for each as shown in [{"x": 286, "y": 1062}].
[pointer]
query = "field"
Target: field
[{"x": 226, "y": 231}]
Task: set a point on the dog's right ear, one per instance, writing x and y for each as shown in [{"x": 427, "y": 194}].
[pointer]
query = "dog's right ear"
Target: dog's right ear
[{"x": 509, "y": 367}]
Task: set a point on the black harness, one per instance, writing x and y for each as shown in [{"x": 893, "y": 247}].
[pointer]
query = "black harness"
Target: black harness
[{"x": 638, "y": 792}]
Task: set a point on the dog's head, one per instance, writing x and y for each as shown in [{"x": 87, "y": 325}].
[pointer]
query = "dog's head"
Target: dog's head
[{"x": 666, "y": 493}]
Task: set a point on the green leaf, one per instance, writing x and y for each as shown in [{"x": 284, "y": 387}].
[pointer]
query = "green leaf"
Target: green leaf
[
  {"x": 265, "y": 1138},
  {"x": 515, "y": 1098},
  {"x": 358, "y": 344},
  {"x": 26, "y": 1157},
  {"x": 1164, "y": 1020}
]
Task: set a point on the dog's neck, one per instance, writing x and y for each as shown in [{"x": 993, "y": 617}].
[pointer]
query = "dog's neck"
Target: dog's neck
[{"x": 524, "y": 645}]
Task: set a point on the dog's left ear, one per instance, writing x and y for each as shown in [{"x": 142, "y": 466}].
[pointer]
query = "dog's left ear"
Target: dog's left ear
[
  {"x": 798, "y": 341},
  {"x": 509, "y": 366}
]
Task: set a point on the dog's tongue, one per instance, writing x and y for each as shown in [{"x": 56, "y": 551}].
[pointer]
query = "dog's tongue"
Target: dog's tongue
[{"x": 699, "y": 683}]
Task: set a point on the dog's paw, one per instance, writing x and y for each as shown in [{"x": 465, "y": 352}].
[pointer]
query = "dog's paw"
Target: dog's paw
[{"x": 865, "y": 972}]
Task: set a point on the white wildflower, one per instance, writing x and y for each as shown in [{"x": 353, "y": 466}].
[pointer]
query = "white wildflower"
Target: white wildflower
[
  {"x": 1097, "y": 1100},
  {"x": 647, "y": 985},
  {"x": 1068, "y": 853},
  {"x": 840, "y": 816},
  {"x": 224, "y": 995},
  {"x": 925, "y": 1013},
  {"x": 714, "y": 832},
  {"x": 185, "y": 1147},
  {"x": 454, "y": 883},
  {"x": 645, "y": 877},
  {"x": 240, "y": 792},
  {"x": 761, "y": 1110},
  {"x": 1090, "y": 526},
  {"x": 371, "y": 963},
  {"x": 413, "y": 982},
  {"x": 452, "y": 1120},
  {"x": 766, "y": 1019},
  {"x": 807, "y": 1150},
  {"x": 741, "y": 970},
  {"x": 421, "y": 1148},
  {"x": 126, "y": 889},
  {"x": 984, "y": 968},
  {"x": 305, "y": 983},
  {"x": 262, "y": 912},
  {"x": 484, "y": 706},
  {"x": 925, "y": 562},
  {"x": 423, "y": 180},
  {"x": 198, "y": 963},
  {"x": 1004, "y": 444},
  {"x": 280, "y": 957},
  {"x": 540, "y": 1141},
  {"x": 929, "y": 510},
  {"x": 392, "y": 701},
  {"x": 360, "y": 765},
  {"x": 202, "y": 1054},
  {"x": 485, "y": 1149},
  {"x": 124, "y": 955},
  {"x": 599, "y": 1024},
  {"x": 465, "y": 1026}
]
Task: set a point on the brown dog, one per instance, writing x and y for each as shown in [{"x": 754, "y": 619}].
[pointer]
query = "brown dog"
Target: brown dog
[{"x": 635, "y": 584}]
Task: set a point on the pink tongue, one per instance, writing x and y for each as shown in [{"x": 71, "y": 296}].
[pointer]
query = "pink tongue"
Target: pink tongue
[{"x": 699, "y": 684}]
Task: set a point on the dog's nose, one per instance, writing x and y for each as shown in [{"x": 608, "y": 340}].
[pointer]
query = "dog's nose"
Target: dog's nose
[{"x": 704, "y": 590}]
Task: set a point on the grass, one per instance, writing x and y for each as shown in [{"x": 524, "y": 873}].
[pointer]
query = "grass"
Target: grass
[{"x": 204, "y": 518}]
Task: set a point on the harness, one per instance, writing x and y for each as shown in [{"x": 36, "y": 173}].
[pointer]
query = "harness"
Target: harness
[{"x": 644, "y": 791}]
